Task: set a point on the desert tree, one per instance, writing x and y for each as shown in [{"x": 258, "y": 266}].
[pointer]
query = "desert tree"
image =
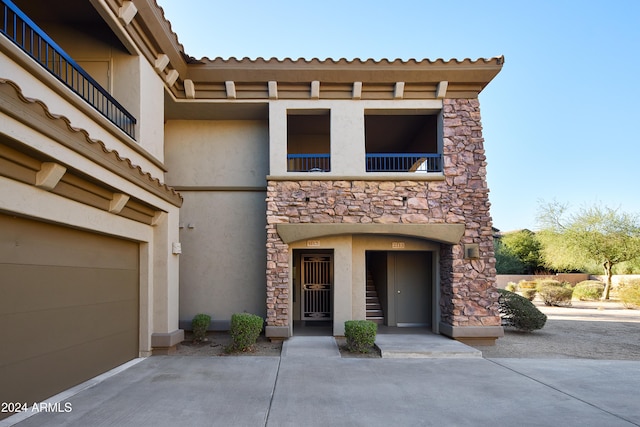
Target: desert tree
[
  {"x": 592, "y": 234},
  {"x": 526, "y": 247}
]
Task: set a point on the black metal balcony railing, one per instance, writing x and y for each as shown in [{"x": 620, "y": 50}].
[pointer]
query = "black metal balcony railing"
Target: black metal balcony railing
[
  {"x": 308, "y": 162},
  {"x": 404, "y": 162},
  {"x": 23, "y": 32}
]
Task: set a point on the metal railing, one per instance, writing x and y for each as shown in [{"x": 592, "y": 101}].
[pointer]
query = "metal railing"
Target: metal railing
[
  {"x": 404, "y": 162},
  {"x": 23, "y": 32},
  {"x": 308, "y": 162}
]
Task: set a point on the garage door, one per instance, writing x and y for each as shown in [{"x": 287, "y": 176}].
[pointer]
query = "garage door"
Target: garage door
[{"x": 68, "y": 307}]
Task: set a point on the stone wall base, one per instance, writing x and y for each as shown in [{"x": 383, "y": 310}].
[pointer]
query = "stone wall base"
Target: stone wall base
[
  {"x": 475, "y": 335},
  {"x": 276, "y": 333}
]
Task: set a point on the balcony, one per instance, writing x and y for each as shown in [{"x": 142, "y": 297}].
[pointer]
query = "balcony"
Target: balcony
[
  {"x": 404, "y": 162},
  {"x": 25, "y": 34},
  {"x": 308, "y": 162}
]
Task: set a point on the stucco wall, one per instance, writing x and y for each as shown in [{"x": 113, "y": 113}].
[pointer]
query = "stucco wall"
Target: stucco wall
[
  {"x": 216, "y": 153},
  {"x": 222, "y": 261},
  {"x": 347, "y": 135},
  {"x": 220, "y": 168}
]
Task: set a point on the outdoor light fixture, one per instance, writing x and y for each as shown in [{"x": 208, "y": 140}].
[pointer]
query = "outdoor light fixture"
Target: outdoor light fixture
[{"x": 472, "y": 251}]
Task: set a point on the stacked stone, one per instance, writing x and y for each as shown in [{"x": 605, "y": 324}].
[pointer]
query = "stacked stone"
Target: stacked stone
[{"x": 468, "y": 290}]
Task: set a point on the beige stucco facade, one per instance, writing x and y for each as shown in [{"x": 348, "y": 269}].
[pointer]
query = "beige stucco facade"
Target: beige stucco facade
[
  {"x": 204, "y": 188},
  {"x": 64, "y": 163},
  {"x": 219, "y": 167}
]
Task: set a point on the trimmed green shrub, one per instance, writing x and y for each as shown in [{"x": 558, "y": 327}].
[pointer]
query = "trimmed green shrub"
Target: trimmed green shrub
[
  {"x": 555, "y": 293},
  {"x": 360, "y": 334},
  {"x": 520, "y": 313},
  {"x": 629, "y": 293},
  {"x": 245, "y": 330},
  {"x": 199, "y": 326},
  {"x": 588, "y": 290}
]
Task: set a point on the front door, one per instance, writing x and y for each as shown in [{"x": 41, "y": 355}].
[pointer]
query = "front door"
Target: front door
[
  {"x": 317, "y": 281},
  {"x": 413, "y": 288}
]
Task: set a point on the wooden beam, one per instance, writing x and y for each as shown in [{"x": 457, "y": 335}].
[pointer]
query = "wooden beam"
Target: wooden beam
[
  {"x": 441, "y": 89},
  {"x": 189, "y": 89},
  {"x": 171, "y": 77},
  {"x": 49, "y": 175},
  {"x": 118, "y": 201},
  {"x": 398, "y": 90},
  {"x": 273, "y": 90},
  {"x": 127, "y": 12},
  {"x": 230, "y": 86},
  {"x": 357, "y": 90},
  {"x": 161, "y": 62},
  {"x": 315, "y": 89},
  {"x": 158, "y": 217}
]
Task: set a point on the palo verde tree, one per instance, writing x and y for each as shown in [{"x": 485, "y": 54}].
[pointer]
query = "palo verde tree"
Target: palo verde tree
[{"x": 594, "y": 234}]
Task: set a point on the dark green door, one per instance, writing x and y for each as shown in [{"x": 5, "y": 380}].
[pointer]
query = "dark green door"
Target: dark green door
[{"x": 413, "y": 288}]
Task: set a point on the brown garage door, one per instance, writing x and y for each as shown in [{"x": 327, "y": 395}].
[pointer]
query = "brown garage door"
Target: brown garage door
[{"x": 68, "y": 307}]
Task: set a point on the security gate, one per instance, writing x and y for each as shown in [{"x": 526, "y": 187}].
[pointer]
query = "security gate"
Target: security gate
[{"x": 317, "y": 279}]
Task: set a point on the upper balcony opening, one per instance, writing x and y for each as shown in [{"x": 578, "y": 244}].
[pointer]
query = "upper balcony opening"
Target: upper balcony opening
[
  {"x": 402, "y": 143},
  {"x": 309, "y": 141},
  {"x": 73, "y": 24}
]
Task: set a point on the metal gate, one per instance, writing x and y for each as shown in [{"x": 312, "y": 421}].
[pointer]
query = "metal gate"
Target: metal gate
[{"x": 317, "y": 278}]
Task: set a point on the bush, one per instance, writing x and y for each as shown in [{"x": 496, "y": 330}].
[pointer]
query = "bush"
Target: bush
[
  {"x": 529, "y": 294},
  {"x": 519, "y": 312},
  {"x": 511, "y": 287},
  {"x": 527, "y": 284},
  {"x": 245, "y": 330},
  {"x": 588, "y": 290},
  {"x": 199, "y": 326},
  {"x": 629, "y": 294},
  {"x": 360, "y": 334},
  {"x": 555, "y": 293},
  {"x": 527, "y": 288}
]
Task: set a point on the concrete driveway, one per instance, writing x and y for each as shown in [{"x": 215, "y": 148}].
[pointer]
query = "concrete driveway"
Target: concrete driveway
[{"x": 299, "y": 389}]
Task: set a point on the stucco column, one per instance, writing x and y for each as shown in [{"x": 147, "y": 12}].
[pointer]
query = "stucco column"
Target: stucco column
[
  {"x": 166, "y": 334},
  {"x": 342, "y": 283}
]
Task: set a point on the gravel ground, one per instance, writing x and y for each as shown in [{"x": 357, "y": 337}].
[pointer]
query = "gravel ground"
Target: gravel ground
[
  {"x": 585, "y": 330},
  {"x": 217, "y": 342}
]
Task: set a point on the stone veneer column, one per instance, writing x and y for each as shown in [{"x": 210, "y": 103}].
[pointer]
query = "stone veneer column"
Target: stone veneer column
[
  {"x": 468, "y": 294},
  {"x": 469, "y": 307}
]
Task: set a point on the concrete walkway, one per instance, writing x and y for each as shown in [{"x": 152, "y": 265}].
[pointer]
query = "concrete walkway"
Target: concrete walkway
[
  {"x": 323, "y": 389},
  {"x": 423, "y": 346}
]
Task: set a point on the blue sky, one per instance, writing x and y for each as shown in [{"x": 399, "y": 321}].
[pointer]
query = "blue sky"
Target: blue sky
[{"x": 561, "y": 120}]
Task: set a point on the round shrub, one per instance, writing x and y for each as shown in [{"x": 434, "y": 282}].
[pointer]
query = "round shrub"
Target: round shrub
[
  {"x": 360, "y": 334},
  {"x": 199, "y": 326},
  {"x": 555, "y": 293},
  {"x": 527, "y": 284},
  {"x": 529, "y": 294},
  {"x": 527, "y": 288},
  {"x": 245, "y": 330},
  {"x": 519, "y": 312},
  {"x": 588, "y": 290},
  {"x": 629, "y": 294},
  {"x": 511, "y": 287}
]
